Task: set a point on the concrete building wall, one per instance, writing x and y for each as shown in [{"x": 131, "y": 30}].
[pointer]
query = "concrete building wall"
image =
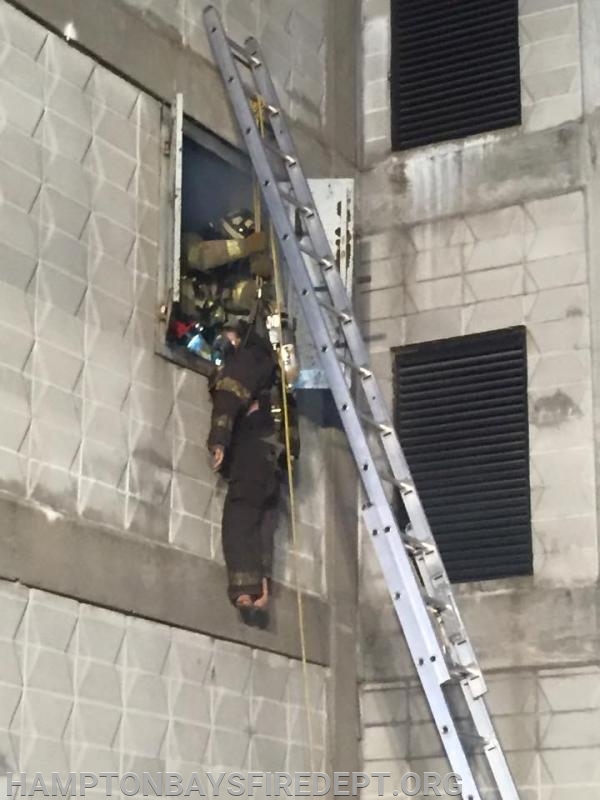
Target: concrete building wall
[
  {"x": 84, "y": 689},
  {"x": 307, "y": 48},
  {"x": 551, "y": 68},
  {"x": 292, "y": 38},
  {"x": 468, "y": 236},
  {"x": 105, "y": 492},
  {"x": 521, "y": 264},
  {"x": 547, "y": 720},
  {"x": 96, "y": 424}
]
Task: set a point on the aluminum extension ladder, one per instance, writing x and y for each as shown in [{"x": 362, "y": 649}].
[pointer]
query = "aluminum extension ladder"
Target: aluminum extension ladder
[{"x": 410, "y": 560}]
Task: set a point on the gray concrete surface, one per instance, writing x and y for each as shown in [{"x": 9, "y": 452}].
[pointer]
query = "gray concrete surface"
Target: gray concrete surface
[
  {"x": 473, "y": 235},
  {"x": 162, "y": 48},
  {"x": 342, "y": 583},
  {"x": 106, "y": 496},
  {"x": 95, "y": 425},
  {"x": 41, "y": 548},
  {"x": 86, "y": 689}
]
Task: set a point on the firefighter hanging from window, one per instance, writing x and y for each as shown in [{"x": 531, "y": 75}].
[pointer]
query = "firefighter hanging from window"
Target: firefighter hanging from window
[
  {"x": 229, "y": 275},
  {"x": 246, "y": 449}
]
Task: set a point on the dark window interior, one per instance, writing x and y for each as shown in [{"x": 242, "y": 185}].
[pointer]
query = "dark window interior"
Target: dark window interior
[
  {"x": 216, "y": 181},
  {"x": 461, "y": 415},
  {"x": 212, "y": 187},
  {"x": 455, "y": 69}
]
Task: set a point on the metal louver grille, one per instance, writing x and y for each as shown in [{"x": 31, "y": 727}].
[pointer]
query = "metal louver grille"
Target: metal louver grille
[
  {"x": 461, "y": 414},
  {"x": 454, "y": 69}
]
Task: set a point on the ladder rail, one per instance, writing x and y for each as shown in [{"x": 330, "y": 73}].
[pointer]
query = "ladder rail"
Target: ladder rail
[
  {"x": 356, "y": 346},
  {"x": 355, "y": 342},
  {"x": 411, "y": 581},
  {"x": 305, "y": 287}
]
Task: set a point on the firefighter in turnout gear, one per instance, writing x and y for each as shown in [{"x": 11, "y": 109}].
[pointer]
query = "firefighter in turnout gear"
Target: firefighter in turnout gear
[{"x": 245, "y": 449}]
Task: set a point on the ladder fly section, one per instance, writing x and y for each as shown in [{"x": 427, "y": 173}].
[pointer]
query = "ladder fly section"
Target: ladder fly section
[{"x": 409, "y": 559}]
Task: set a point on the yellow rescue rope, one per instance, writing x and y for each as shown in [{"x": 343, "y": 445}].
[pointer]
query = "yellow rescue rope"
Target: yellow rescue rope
[{"x": 258, "y": 106}]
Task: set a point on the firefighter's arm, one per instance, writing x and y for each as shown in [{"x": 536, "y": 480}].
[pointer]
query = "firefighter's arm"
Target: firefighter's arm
[{"x": 230, "y": 396}]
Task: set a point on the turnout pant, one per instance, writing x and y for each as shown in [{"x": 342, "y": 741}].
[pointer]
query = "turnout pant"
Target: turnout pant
[{"x": 250, "y": 515}]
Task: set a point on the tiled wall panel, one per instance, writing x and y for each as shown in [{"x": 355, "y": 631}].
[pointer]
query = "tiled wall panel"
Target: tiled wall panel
[{"x": 92, "y": 423}]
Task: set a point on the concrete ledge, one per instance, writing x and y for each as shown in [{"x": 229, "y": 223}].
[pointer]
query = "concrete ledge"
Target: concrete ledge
[
  {"x": 482, "y": 174},
  {"x": 524, "y": 627},
  {"x": 43, "y": 549},
  {"x": 534, "y": 626}
]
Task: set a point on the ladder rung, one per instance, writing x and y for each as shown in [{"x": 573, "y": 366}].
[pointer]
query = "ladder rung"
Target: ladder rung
[
  {"x": 418, "y": 545},
  {"x": 325, "y": 263},
  {"x": 405, "y": 486},
  {"x": 242, "y": 55},
  {"x": 306, "y": 210},
  {"x": 364, "y": 372},
  {"x": 380, "y": 426},
  {"x": 290, "y": 160},
  {"x": 343, "y": 316},
  {"x": 435, "y": 604},
  {"x": 253, "y": 97},
  {"x": 476, "y": 737},
  {"x": 241, "y": 59},
  {"x": 490, "y": 744},
  {"x": 463, "y": 673},
  {"x": 408, "y": 534}
]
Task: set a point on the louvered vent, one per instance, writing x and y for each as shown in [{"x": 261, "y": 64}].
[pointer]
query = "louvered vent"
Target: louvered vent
[
  {"x": 461, "y": 414},
  {"x": 454, "y": 69}
]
